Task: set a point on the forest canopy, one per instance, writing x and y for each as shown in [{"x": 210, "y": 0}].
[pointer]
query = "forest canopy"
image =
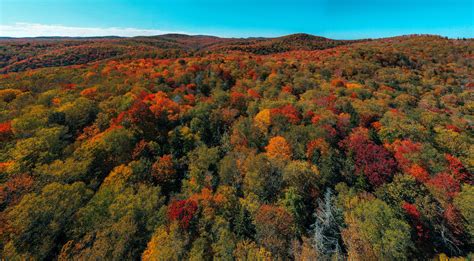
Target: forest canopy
[{"x": 202, "y": 148}]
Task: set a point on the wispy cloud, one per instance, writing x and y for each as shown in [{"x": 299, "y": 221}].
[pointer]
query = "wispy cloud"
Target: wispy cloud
[{"x": 35, "y": 30}]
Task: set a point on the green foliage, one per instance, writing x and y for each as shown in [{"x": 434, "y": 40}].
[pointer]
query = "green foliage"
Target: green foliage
[
  {"x": 39, "y": 220},
  {"x": 377, "y": 224}
]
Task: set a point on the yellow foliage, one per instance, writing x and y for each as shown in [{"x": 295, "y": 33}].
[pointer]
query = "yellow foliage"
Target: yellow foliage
[
  {"x": 165, "y": 244},
  {"x": 118, "y": 176},
  {"x": 263, "y": 119},
  {"x": 351, "y": 85},
  {"x": 248, "y": 250},
  {"x": 444, "y": 257}
]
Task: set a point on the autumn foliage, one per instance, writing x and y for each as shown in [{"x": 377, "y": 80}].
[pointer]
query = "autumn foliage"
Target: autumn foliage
[
  {"x": 372, "y": 160},
  {"x": 182, "y": 211},
  {"x": 178, "y": 147},
  {"x": 279, "y": 148}
]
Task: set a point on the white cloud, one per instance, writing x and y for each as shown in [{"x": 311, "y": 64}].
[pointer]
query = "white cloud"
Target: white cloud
[{"x": 35, "y": 30}]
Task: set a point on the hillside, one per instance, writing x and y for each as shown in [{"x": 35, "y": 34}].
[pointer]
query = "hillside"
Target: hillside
[
  {"x": 178, "y": 147},
  {"x": 30, "y": 53}
]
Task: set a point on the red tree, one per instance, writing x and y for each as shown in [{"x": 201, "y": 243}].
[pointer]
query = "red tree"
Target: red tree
[
  {"x": 371, "y": 159},
  {"x": 457, "y": 169},
  {"x": 5, "y": 131},
  {"x": 287, "y": 111},
  {"x": 182, "y": 211}
]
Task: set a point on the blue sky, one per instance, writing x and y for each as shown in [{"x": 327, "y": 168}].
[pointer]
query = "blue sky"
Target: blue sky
[{"x": 340, "y": 19}]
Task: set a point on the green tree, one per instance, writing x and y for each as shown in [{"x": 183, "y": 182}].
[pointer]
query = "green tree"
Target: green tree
[{"x": 40, "y": 220}]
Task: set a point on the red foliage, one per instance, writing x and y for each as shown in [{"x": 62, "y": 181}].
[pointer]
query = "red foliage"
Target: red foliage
[
  {"x": 5, "y": 131},
  {"x": 454, "y": 219},
  {"x": 253, "y": 93},
  {"x": 446, "y": 184},
  {"x": 315, "y": 119},
  {"x": 89, "y": 92},
  {"x": 411, "y": 210},
  {"x": 190, "y": 99},
  {"x": 237, "y": 99},
  {"x": 458, "y": 170},
  {"x": 402, "y": 150},
  {"x": 376, "y": 125},
  {"x": 289, "y": 112},
  {"x": 453, "y": 128},
  {"x": 139, "y": 149},
  {"x": 287, "y": 89},
  {"x": 182, "y": 211},
  {"x": 371, "y": 159}
]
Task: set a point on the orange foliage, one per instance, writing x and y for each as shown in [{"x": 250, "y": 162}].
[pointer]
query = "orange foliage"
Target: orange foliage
[
  {"x": 279, "y": 148},
  {"x": 287, "y": 89},
  {"x": 376, "y": 125},
  {"x": 13, "y": 189},
  {"x": 163, "y": 170},
  {"x": 318, "y": 144},
  {"x": 162, "y": 106},
  {"x": 419, "y": 173},
  {"x": 338, "y": 82},
  {"x": 89, "y": 92}
]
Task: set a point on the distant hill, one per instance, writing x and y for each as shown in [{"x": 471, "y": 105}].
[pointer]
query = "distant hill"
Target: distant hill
[{"x": 19, "y": 54}]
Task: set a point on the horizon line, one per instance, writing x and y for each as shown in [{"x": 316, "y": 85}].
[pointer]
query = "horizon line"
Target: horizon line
[{"x": 35, "y": 30}]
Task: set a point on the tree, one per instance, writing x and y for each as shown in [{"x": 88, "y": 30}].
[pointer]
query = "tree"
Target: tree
[
  {"x": 118, "y": 221},
  {"x": 167, "y": 244},
  {"x": 275, "y": 228},
  {"x": 262, "y": 178},
  {"x": 279, "y": 148},
  {"x": 304, "y": 177},
  {"x": 373, "y": 160},
  {"x": 295, "y": 205},
  {"x": 202, "y": 169},
  {"x": 182, "y": 211},
  {"x": 39, "y": 220},
  {"x": 163, "y": 107},
  {"x": 327, "y": 227},
  {"x": 263, "y": 119},
  {"x": 374, "y": 224},
  {"x": 229, "y": 173},
  {"x": 225, "y": 244},
  {"x": 163, "y": 170},
  {"x": 247, "y": 250}
]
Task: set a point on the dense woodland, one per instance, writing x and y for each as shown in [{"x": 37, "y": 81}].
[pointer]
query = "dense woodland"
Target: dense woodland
[{"x": 201, "y": 148}]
